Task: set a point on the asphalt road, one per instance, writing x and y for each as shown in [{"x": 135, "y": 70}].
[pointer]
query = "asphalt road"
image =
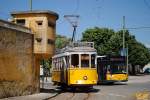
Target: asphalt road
[{"x": 137, "y": 88}]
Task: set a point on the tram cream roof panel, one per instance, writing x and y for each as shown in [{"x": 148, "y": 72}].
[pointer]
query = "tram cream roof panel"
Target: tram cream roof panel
[
  {"x": 70, "y": 53},
  {"x": 81, "y": 49},
  {"x": 78, "y": 47}
]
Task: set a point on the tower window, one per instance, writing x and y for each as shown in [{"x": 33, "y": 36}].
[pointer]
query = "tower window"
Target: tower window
[
  {"x": 50, "y": 24},
  {"x": 38, "y": 40},
  {"x": 39, "y": 23},
  {"x": 49, "y": 41},
  {"x": 20, "y": 21}
]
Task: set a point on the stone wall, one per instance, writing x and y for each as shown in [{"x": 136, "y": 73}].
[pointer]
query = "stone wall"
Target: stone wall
[{"x": 19, "y": 74}]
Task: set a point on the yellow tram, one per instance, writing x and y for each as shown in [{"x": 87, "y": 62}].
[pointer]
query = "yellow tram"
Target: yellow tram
[
  {"x": 112, "y": 69},
  {"x": 75, "y": 65}
]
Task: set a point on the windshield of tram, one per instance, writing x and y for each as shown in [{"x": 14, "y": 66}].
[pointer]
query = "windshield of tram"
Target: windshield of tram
[
  {"x": 74, "y": 60},
  {"x": 86, "y": 60},
  {"x": 117, "y": 68}
]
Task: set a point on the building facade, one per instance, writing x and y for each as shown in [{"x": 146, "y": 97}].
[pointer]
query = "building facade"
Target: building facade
[
  {"x": 26, "y": 40},
  {"x": 17, "y": 73},
  {"x": 43, "y": 26}
]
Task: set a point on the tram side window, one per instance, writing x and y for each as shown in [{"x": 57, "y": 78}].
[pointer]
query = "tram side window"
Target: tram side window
[
  {"x": 118, "y": 68},
  {"x": 75, "y": 60},
  {"x": 93, "y": 61},
  {"x": 54, "y": 64},
  {"x": 84, "y": 60},
  {"x": 57, "y": 64},
  {"x": 109, "y": 69},
  {"x": 61, "y": 64},
  {"x": 67, "y": 61}
]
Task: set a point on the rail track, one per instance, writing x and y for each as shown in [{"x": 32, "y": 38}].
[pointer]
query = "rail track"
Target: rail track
[{"x": 73, "y": 94}]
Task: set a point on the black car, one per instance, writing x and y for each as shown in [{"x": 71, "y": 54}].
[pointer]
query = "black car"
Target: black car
[{"x": 147, "y": 71}]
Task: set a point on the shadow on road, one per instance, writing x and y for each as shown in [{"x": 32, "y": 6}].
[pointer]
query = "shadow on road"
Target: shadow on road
[
  {"x": 60, "y": 89},
  {"x": 113, "y": 84},
  {"x": 80, "y": 90},
  {"x": 42, "y": 90},
  {"x": 138, "y": 74}
]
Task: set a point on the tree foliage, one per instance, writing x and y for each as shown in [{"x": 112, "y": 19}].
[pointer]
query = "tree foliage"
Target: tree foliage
[
  {"x": 61, "y": 41},
  {"x": 138, "y": 53},
  {"x": 108, "y": 41},
  {"x": 100, "y": 37},
  {"x": 46, "y": 64}
]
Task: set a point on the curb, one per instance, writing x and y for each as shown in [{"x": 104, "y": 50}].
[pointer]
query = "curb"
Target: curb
[{"x": 40, "y": 96}]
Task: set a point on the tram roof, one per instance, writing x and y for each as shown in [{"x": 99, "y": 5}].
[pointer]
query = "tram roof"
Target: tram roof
[{"x": 78, "y": 47}]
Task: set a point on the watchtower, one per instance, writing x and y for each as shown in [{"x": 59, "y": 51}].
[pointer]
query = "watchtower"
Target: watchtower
[{"x": 43, "y": 26}]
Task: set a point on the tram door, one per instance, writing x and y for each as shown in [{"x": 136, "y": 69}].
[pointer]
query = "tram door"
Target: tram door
[
  {"x": 64, "y": 69},
  {"x": 102, "y": 69}
]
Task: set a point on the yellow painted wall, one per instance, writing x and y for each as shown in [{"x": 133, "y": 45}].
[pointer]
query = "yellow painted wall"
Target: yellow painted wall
[
  {"x": 20, "y": 54},
  {"x": 18, "y": 73}
]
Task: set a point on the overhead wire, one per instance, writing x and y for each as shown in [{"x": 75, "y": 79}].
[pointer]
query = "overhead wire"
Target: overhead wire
[
  {"x": 146, "y": 27},
  {"x": 135, "y": 28}
]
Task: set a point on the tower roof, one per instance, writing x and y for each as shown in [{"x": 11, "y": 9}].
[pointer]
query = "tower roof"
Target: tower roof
[{"x": 35, "y": 12}]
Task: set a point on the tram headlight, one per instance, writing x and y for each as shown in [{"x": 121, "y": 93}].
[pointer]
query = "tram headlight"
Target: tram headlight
[{"x": 85, "y": 77}]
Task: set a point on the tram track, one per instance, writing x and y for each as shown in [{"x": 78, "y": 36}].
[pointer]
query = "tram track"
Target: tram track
[
  {"x": 71, "y": 96},
  {"x": 65, "y": 96},
  {"x": 80, "y": 96},
  {"x": 88, "y": 95}
]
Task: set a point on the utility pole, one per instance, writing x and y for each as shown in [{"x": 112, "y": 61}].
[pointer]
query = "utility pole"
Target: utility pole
[
  {"x": 127, "y": 60},
  {"x": 123, "y": 33},
  {"x": 30, "y": 5},
  {"x": 73, "y": 20},
  {"x": 125, "y": 51}
]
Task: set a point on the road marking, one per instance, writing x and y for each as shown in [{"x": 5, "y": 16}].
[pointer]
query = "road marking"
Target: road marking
[
  {"x": 144, "y": 95},
  {"x": 111, "y": 94},
  {"x": 118, "y": 95},
  {"x": 100, "y": 93}
]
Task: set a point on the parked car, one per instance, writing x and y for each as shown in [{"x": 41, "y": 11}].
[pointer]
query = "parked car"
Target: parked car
[{"x": 147, "y": 71}]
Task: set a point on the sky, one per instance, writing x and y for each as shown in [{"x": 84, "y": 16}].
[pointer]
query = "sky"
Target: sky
[{"x": 100, "y": 13}]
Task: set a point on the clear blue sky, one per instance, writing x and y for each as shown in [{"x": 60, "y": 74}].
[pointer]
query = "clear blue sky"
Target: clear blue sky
[{"x": 101, "y": 13}]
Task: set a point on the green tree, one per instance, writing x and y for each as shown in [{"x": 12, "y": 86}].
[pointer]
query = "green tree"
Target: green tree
[
  {"x": 61, "y": 41},
  {"x": 108, "y": 41},
  {"x": 46, "y": 64},
  {"x": 100, "y": 37},
  {"x": 138, "y": 53}
]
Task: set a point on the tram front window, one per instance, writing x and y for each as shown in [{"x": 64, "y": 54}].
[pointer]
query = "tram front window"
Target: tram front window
[
  {"x": 84, "y": 60},
  {"x": 74, "y": 60},
  {"x": 118, "y": 68}
]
